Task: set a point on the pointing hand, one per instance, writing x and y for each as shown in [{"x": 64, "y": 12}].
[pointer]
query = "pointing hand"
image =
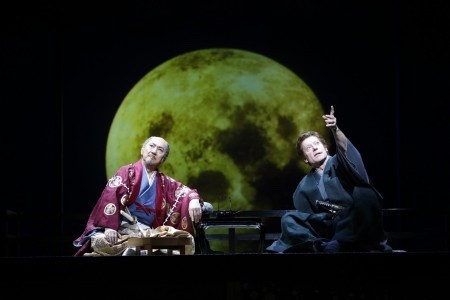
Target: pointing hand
[{"x": 330, "y": 119}]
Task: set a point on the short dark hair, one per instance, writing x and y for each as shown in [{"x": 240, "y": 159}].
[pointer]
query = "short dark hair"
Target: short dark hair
[{"x": 303, "y": 136}]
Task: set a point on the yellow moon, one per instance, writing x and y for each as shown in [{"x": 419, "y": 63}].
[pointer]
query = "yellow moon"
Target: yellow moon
[{"x": 231, "y": 118}]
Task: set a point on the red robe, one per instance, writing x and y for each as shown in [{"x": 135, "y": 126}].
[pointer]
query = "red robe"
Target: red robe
[{"x": 122, "y": 189}]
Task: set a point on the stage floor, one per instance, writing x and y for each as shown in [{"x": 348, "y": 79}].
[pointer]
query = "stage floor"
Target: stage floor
[{"x": 418, "y": 275}]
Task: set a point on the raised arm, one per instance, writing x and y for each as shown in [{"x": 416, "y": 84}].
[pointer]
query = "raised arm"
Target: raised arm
[{"x": 339, "y": 136}]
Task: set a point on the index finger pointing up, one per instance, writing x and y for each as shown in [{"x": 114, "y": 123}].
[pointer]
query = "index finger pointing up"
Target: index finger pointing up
[{"x": 332, "y": 110}]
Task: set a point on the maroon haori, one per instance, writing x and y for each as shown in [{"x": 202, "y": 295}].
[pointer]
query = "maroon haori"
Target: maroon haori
[{"x": 122, "y": 189}]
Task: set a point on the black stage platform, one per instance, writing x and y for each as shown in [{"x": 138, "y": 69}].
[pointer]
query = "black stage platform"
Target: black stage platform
[{"x": 417, "y": 275}]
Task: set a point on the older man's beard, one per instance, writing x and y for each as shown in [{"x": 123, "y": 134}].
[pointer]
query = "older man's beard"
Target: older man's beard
[{"x": 148, "y": 161}]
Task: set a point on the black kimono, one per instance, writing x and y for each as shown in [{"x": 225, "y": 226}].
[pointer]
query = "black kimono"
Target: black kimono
[{"x": 357, "y": 227}]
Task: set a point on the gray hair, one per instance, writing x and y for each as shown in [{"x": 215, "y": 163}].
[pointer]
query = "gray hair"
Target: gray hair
[{"x": 167, "y": 148}]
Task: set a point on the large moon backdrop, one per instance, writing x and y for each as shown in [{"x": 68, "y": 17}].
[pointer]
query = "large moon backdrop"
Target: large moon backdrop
[{"x": 231, "y": 118}]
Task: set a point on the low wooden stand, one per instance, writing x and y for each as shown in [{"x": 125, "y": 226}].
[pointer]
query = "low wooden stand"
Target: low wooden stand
[
  {"x": 150, "y": 243},
  {"x": 231, "y": 224}
]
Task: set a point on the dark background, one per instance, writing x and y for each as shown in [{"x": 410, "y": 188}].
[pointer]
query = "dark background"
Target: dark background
[{"x": 66, "y": 67}]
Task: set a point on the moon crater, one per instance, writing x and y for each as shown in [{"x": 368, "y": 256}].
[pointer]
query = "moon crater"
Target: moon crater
[{"x": 231, "y": 117}]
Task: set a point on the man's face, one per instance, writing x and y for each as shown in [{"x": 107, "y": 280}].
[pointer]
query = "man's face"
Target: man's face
[
  {"x": 153, "y": 152},
  {"x": 314, "y": 151}
]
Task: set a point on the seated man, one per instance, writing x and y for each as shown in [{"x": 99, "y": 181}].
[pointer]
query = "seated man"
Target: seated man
[
  {"x": 136, "y": 198},
  {"x": 337, "y": 207}
]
